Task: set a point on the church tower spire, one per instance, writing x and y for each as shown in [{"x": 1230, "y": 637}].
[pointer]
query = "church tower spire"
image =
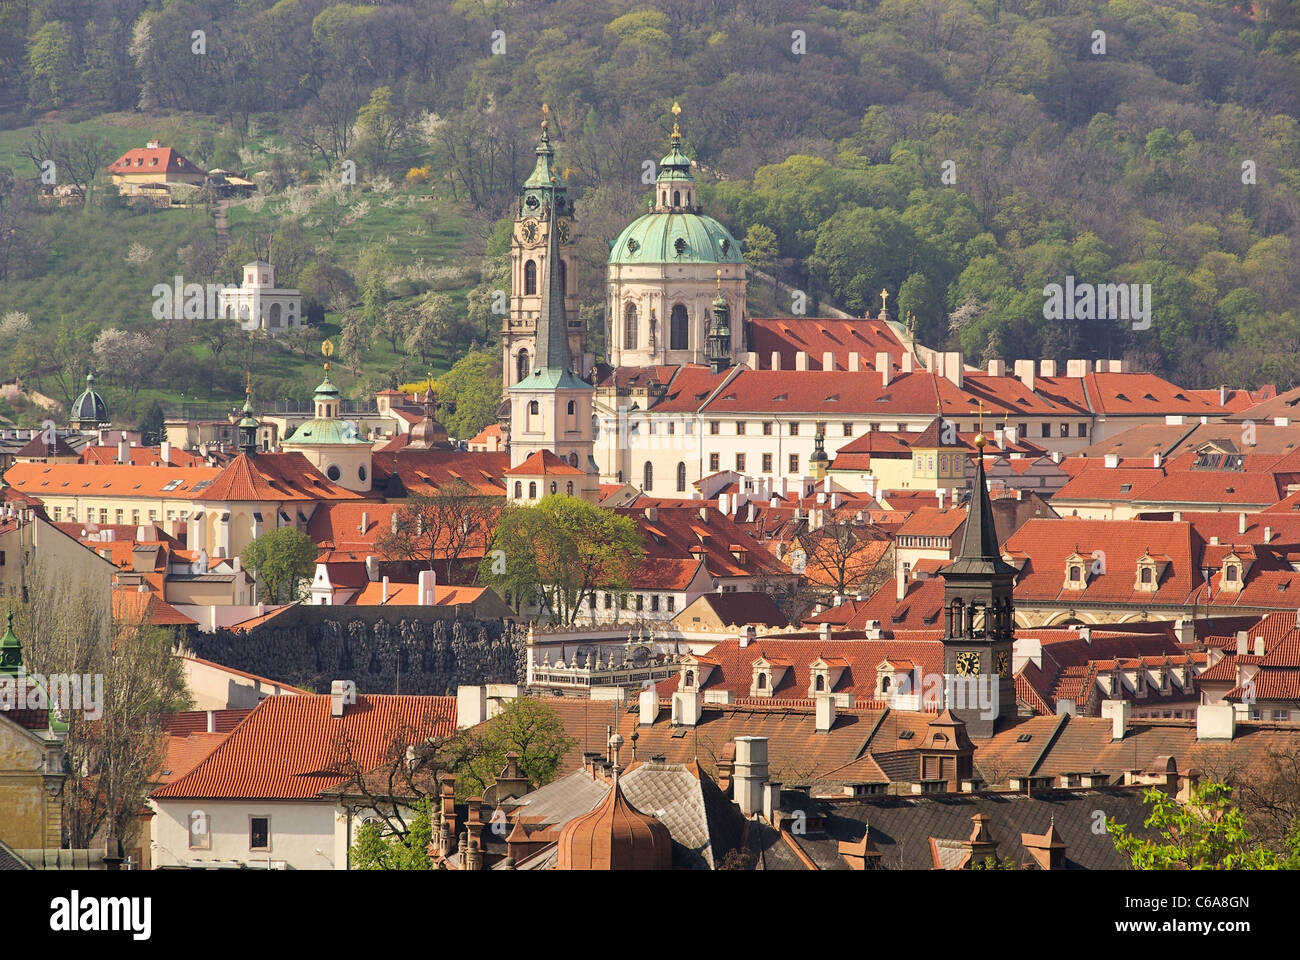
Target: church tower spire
[
  {"x": 552, "y": 332},
  {"x": 979, "y": 618}
]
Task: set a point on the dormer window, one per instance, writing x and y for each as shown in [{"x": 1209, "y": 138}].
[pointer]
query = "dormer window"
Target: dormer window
[
  {"x": 1230, "y": 573},
  {"x": 884, "y": 683},
  {"x": 1076, "y": 574},
  {"x": 1145, "y": 575},
  {"x": 1076, "y": 571},
  {"x": 762, "y": 681},
  {"x": 819, "y": 683},
  {"x": 690, "y": 679}
]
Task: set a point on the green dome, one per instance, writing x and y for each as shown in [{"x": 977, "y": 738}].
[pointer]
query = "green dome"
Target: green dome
[
  {"x": 89, "y": 410},
  {"x": 652, "y": 238},
  {"x": 322, "y": 431}
]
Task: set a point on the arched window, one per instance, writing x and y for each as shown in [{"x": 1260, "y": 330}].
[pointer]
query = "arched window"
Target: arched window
[
  {"x": 820, "y": 683},
  {"x": 572, "y": 408},
  {"x": 1230, "y": 573},
  {"x": 677, "y": 198},
  {"x": 1145, "y": 576},
  {"x": 523, "y": 364},
  {"x": 1075, "y": 574},
  {"x": 532, "y": 490},
  {"x": 678, "y": 328},
  {"x": 681, "y": 478},
  {"x": 573, "y": 459},
  {"x": 649, "y": 476},
  {"x": 554, "y": 486},
  {"x": 884, "y": 684},
  {"x": 519, "y": 489},
  {"x": 568, "y": 488},
  {"x": 690, "y": 678},
  {"x": 534, "y": 408},
  {"x": 564, "y": 278},
  {"x": 629, "y": 327},
  {"x": 530, "y": 277},
  {"x": 762, "y": 681}
]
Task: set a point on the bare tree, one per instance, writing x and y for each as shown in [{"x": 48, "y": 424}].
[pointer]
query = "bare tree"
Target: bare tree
[{"x": 440, "y": 527}]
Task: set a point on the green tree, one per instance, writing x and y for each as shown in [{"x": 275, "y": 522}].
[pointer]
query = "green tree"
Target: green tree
[
  {"x": 1208, "y": 832},
  {"x": 376, "y": 849},
  {"x": 470, "y": 393},
  {"x": 280, "y": 560},
  {"x": 525, "y": 726},
  {"x": 559, "y": 552},
  {"x": 439, "y": 527},
  {"x": 50, "y": 63},
  {"x": 380, "y": 123},
  {"x": 761, "y": 248}
]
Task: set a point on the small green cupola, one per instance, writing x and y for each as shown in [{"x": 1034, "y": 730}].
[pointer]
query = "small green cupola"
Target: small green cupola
[
  {"x": 545, "y": 182},
  {"x": 11, "y": 651},
  {"x": 675, "y": 184},
  {"x": 89, "y": 411},
  {"x": 718, "y": 345}
]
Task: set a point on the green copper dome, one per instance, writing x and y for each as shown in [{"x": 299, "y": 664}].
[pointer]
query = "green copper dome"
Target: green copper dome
[
  {"x": 89, "y": 410},
  {"x": 11, "y": 651},
  {"x": 653, "y": 238},
  {"x": 324, "y": 430}
]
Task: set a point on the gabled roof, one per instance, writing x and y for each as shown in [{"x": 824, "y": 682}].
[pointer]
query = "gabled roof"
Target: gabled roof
[
  {"x": 544, "y": 463},
  {"x": 96, "y": 480},
  {"x": 290, "y": 748},
  {"x": 273, "y": 477},
  {"x": 152, "y": 160},
  {"x": 817, "y": 336},
  {"x": 425, "y": 472}
]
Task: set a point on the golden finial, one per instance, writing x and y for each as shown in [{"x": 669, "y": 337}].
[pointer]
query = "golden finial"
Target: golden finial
[
  {"x": 327, "y": 351},
  {"x": 677, "y": 109},
  {"x": 980, "y": 439},
  {"x": 719, "y": 272},
  {"x": 884, "y": 298},
  {"x": 546, "y": 112},
  {"x": 248, "y": 384}
]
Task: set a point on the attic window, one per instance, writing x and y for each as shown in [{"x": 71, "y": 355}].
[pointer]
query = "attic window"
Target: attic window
[
  {"x": 1125, "y": 488},
  {"x": 1024, "y": 738},
  {"x": 783, "y": 396},
  {"x": 906, "y": 734},
  {"x": 1120, "y": 396}
]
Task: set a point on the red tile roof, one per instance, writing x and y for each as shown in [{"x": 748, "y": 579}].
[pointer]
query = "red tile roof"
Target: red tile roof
[
  {"x": 424, "y": 472},
  {"x": 274, "y": 477},
  {"x": 97, "y": 480},
  {"x": 408, "y": 594},
  {"x": 152, "y": 160},
  {"x": 544, "y": 463},
  {"x": 290, "y": 748},
  {"x": 132, "y": 606},
  {"x": 816, "y": 336}
]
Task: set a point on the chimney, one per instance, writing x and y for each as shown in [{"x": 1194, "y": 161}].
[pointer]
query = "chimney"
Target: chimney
[
  {"x": 776, "y": 359},
  {"x": 1025, "y": 372},
  {"x": 1118, "y": 711},
  {"x": 212, "y": 721},
  {"x": 428, "y": 583},
  {"x": 801, "y": 360},
  {"x": 1223, "y": 395},
  {"x": 165, "y": 453},
  {"x": 1281, "y": 421},
  {"x": 1243, "y": 640},
  {"x": 746, "y": 638},
  {"x": 649, "y": 706},
  {"x": 828, "y": 361},
  {"x": 883, "y": 368},
  {"x": 901, "y": 586},
  {"x": 1013, "y": 435},
  {"x": 123, "y": 451},
  {"x": 1047, "y": 368},
  {"x": 365, "y": 522},
  {"x": 384, "y": 595},
  {"x": 652, "y": 514},
  {"x": 997, "y": 368},
  {"x": 942, "y": 495},
  {"x": 907, "y": 364},
  {"x": 952, "y": 368},
  {"x": 750, "y": 773},
  {"x": 1076, "y": 369},
  {"x": 855, "y": 362},
  {"x": 471, "y": 706},
  {"x": 825, "y": 712},
  {"x": 340, "y": 692},
  {"x": 1157, "y": 460},
  {"x": 372, "y": 568},
  {"x": 1259, "y": 646},
  {"x": 1112, "y": 461},
  {"x": 724, "y": 503},
  {"x": 824, "y": 631},
  {"x": 1268, "y": 534},
  {"x": 1216, "y": 721},
  {"x": 1241, "y": 523}
]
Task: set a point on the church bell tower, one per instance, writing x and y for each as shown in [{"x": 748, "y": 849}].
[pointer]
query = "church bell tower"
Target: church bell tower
[{"x": 979, "y": 620}]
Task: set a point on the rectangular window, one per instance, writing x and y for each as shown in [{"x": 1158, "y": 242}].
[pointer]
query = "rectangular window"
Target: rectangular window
[
  {"x": 654, "y": 603},
  {"x": 713, "y": 462},
  {"x": 622, "y": 602},
  {"x": 1281, "y": 715},
  {"x": 794, "y": 428},
  {"x": 58, "y": 511},
  {"x": 672, "y": 602},
  {"x": 740, "y": 428},
  {"x": 135, "y": 518},
  {"x": 848, "y": 429},
  {"x": 690, "y": 428},
  {"x": 1083, "y": 429},
  {"x": 609, "y": 602},
  {"x": 714, "y": 427},
  {"x": 794, "y": 463},
  {"x": 117, "y": 514},
  {"x": 767, "y": 428},
  {"x": 591, "y": 601},
  {"x": 259, "y": 833},
  {"x": 672, "y": 428},
  {"x": 740, "y": 463},
  {"x": 1065, "y": 429},
  {"x": 1022, "y": 431},
  {"x": 767, "y": 463},
  {"x": 153, "y": 516},
  {"x": 640, "y": 602},
  {"x": 653, "y": 427},
  {"x": 901, "y": 428},
  {"x": 1047, "y": 429},
  {"x": 171, "y": 514},
  {"x": 103, "y": 515}
]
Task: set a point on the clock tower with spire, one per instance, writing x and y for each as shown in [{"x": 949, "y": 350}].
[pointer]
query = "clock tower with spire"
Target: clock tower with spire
[
  {"x": 544, "y": 190},
  {"x": 979, "y": 620}
]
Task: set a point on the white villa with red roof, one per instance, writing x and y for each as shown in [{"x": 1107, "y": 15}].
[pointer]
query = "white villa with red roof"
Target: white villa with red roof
[{"x": 150, "y": 169}]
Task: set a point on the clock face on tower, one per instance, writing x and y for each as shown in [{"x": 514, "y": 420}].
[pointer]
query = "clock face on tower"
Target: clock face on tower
[
  {"x": 562, "y": 231},
  {"x": 529, "y": 231},
  {"x": 968, "y": 664},
  {"x": 1003, "y": 665}
]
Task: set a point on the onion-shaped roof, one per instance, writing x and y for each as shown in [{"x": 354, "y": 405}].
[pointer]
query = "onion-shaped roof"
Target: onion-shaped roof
[{"x": 615, "y": 836}]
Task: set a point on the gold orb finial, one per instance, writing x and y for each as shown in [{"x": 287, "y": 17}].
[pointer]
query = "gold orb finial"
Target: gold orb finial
[
  {"x": 677, "y": 108},
  {"x": 980, "y": 440}
]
